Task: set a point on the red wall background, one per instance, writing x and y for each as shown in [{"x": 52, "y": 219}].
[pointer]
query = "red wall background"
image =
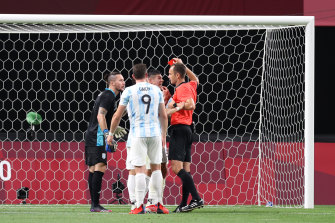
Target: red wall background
[{"x": 56, "y": 173}]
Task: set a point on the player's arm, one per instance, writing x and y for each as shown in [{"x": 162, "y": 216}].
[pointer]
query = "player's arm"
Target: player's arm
[
  {"x": 102, "y": 112},
  {"x": 115, "y": 122},
  {"x": 189, "y": 73},
  {"x": 163, "y": 119}
]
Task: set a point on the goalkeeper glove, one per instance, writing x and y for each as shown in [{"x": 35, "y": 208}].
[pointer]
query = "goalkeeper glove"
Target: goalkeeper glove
[
  {"x": 112, "y": 148},
  {"x": 119, "y": 132}
]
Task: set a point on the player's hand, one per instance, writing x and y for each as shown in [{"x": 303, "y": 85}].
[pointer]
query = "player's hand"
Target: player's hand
[
  {"x": 109, "y": 140},
  {"x": 119, "y": 132},
  {"x": 106, "y": 133},
  {"x": 163, "y": 88},
  {"x": 166, "y": 150},
  {"x": 111, "y": 148},
  {"x": 166, "y": 91},
  {"x": 170, "y": 104},
  {"x": 164, "y": 142},
  {"x": 166, "y": 94}
]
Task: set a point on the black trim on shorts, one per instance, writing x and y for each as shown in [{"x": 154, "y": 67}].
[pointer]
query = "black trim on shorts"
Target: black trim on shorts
[
  {"x": 180, "y": 143},
  {"x": 95, "y": 155}
]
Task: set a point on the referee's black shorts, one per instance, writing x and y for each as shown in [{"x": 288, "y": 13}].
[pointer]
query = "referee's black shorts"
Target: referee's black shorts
[
  {"x": 180, "y": 143},
  {"x": 95, "y": 154}
]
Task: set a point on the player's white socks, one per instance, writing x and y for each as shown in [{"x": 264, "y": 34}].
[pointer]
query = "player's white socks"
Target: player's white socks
[
  {"x": 139, "y": 188},
  {"x": 131, "y": 188},
  {"x": 147, "y": 183},
  {"x": 163, "y": 188},
  {"x": 152, "y": 194},
  {"x": 157, "y": 181}
]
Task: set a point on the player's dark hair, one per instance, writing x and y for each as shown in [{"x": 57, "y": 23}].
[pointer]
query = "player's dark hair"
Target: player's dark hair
[
  {"x": 153, "y": 72},
  {"x": 179, "y": 68},
  {"x": 111, "y": 76},
  {"x": 139, "y": 71}
]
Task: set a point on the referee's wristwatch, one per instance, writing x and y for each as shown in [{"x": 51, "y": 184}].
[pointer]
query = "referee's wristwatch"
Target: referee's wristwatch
[{"x": 176, "y": 107}]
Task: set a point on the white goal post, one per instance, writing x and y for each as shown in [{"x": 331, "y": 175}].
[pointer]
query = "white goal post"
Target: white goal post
[{"x": 213, "y": 35}]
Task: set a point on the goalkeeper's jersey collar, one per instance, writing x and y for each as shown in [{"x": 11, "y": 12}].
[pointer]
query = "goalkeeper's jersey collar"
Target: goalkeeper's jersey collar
[{"x": 108, "y": 89}]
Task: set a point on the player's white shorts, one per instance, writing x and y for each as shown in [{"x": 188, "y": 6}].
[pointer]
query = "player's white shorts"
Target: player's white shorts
[
  {"x": 141, "y": 147},
  {"x": 164, "y": 159},
  {"x": 129, "y": 166}
]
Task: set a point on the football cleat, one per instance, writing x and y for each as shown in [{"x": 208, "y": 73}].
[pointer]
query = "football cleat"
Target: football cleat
[
  {"x": 177, "y": 210},
  {"x": 161, "y": 209},
  {"x": 193, "y": 205},
  {"x": 140, "y": 210},
  {"x": 99, "y": 208},
  {"x": 151, "y": 209}
]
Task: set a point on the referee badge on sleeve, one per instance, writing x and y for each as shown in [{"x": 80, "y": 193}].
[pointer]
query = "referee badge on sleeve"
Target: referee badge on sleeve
[{"x": 103, "y": 155}]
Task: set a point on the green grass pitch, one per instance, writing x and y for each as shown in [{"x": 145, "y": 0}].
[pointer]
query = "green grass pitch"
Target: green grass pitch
[{"x": 80, "y": 213}]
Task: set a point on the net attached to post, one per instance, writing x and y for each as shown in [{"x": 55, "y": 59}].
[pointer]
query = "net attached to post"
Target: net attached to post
[{"x": 249, "y": 132}]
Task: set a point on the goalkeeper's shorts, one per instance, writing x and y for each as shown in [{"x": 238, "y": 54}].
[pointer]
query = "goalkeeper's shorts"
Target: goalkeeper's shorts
[{"x": 95, "y": 154}]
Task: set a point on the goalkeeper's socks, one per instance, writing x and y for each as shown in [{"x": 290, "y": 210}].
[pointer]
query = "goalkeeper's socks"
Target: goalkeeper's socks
[
  {"x": 189, "y": 183},
  {"x": 139, "y": 188},
  {"x": 90, "y": 179},
  {"x": 185, "y": 195},
  {"x": 96, "y": 186},
  {"x": 131, "y": 187}
]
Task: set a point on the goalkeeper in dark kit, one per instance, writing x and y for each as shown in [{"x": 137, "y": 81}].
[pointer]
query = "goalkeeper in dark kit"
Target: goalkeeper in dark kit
[{"x": 97, "y": 133}]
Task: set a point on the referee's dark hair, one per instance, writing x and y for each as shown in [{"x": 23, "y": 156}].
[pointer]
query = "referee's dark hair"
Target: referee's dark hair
[
  {"x": 139, "y": 71},
  {"x": 111, "y": 76},
  {"x": 179, "y": 68}
]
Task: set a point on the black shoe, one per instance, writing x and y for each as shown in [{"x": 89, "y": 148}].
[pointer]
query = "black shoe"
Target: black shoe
[
  {"x": 193, "y": 205},
  {"x": 178, "y": 209},
  {"x": 99, "y": 208}
]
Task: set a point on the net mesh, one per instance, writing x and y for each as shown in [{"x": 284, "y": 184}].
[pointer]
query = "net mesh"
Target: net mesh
[{"x": 250, "y": 99}]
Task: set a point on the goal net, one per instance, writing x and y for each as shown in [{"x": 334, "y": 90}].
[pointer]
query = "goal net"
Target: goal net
[{"x": 253, "y": 140}]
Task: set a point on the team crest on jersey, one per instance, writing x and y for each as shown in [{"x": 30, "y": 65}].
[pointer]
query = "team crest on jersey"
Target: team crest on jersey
[{"x": 103, "y": 155}]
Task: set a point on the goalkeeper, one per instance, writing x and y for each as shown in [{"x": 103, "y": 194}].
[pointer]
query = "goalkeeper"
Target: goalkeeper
[{"x": 96, "y": 135}]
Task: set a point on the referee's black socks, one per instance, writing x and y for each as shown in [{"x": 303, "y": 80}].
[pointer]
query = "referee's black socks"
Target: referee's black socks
[
  {"x": 96, "y": 187},
  {"x": 189, "y": 184},
  {"x": 185, "y": 193}
]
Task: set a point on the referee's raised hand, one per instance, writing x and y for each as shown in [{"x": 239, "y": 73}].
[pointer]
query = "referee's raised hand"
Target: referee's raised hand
[{"x": 178, "y": 60}]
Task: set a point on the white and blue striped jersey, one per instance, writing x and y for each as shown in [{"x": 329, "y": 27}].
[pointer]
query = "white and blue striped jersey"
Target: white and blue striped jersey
[
  {"x": 128, "y": 144},
  {"x": 142, "y": 101},
  {"x": 130, "y": 134}
]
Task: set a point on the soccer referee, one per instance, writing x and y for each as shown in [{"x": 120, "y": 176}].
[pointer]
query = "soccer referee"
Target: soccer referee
[
  {"x": 95, "y": 153},
  {"x": 181, "y": 109}
]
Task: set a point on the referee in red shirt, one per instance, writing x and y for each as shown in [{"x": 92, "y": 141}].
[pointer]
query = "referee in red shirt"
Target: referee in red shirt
[{"x": 181, "y": 109}]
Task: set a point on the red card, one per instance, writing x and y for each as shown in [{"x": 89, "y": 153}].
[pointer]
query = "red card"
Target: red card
[{"x": 171, "y": 62}]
